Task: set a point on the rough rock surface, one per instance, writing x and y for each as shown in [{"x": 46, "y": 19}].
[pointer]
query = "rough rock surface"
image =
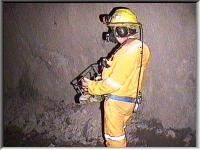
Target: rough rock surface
[
  {"x": 68, "y": 123},
  {"x": 46, "y": 45},
  {"x": 59, "y": 124}
]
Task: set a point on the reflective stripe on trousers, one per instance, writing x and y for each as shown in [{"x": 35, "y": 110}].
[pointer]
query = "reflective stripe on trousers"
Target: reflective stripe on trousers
[{"x": 114, "y": 138}]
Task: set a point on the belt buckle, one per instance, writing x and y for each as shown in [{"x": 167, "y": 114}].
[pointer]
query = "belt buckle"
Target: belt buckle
[{"x": 139, "y": 100}]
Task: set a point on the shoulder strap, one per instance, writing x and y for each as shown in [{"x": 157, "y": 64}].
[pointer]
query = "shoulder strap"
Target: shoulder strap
[{"x": 141, "y": 52}]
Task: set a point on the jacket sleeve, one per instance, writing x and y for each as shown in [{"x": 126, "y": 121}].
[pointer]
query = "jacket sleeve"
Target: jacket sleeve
[{"x": 124, "y": 66}]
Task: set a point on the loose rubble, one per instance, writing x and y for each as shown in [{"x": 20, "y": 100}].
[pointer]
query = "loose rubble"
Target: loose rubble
[
  {"x": 52, "y": 124},
  {"x": 171, "y": 133},
  {"x": 187, "y": 139}
]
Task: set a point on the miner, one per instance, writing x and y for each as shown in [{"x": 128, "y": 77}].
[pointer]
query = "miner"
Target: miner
[{"x": 122, "y": 80}]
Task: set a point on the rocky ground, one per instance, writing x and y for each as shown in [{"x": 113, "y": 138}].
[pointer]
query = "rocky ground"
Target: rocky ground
[{"x": 51, "y": 123}]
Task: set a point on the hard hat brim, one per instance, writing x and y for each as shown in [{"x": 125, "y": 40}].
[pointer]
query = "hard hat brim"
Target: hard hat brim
[{"x": 124, "y": 24}]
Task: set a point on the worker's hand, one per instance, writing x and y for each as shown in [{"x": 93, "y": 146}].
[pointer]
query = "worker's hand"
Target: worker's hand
[{"x": 85, "y": 83}]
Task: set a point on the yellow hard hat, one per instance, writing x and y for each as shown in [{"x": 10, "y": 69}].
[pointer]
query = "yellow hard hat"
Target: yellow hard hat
[{"x": 124, "y": 17}]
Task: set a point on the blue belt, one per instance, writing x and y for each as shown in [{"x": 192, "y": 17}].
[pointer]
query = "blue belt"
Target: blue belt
[{"x": 123, "y": 99}]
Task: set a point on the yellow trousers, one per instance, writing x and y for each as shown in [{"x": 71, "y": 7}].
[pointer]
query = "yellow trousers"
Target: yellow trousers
[{"x": 116, "y": 115}]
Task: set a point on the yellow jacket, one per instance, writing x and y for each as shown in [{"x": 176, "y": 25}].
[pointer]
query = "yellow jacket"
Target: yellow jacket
[{"x": 121, "y": 78}]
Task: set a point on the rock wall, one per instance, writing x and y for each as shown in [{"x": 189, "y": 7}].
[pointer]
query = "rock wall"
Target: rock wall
[{"x": 46, "y": 45}]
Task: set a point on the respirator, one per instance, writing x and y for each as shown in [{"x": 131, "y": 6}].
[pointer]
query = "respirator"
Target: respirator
[{"x": 109, "y": 36}]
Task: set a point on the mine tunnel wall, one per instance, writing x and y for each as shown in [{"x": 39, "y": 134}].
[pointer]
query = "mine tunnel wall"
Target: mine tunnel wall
[{"x": 46, "y": 45}]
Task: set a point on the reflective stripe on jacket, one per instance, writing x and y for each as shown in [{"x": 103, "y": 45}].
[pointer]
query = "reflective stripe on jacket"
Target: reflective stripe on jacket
[{"x": 121, "y": 78}]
